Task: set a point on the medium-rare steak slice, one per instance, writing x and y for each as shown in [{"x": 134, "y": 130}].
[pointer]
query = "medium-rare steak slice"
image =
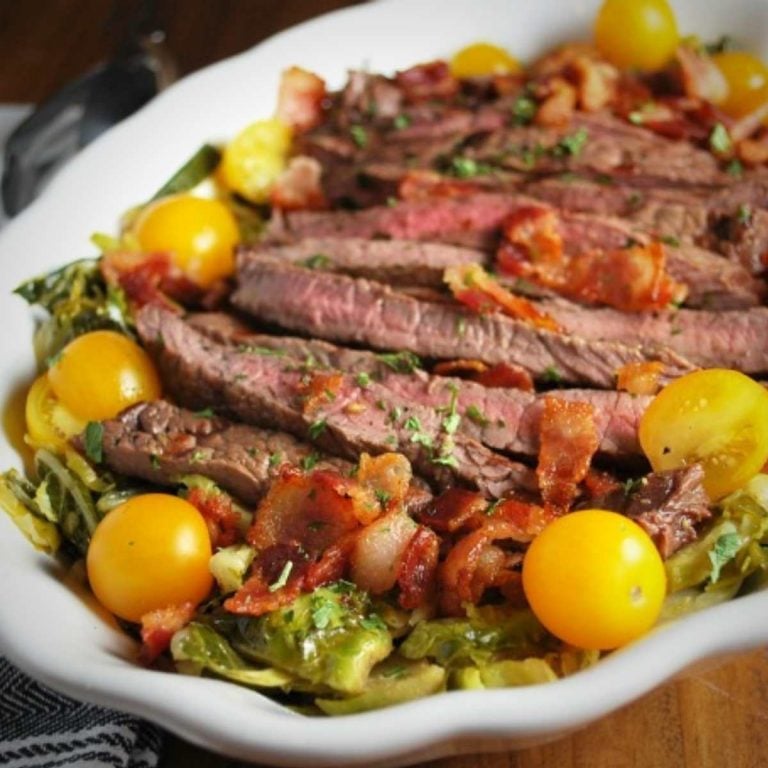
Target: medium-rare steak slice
[
  {"x": 669, "y": 505},
  {"x": 712, "y": 281},
  {"x": 729, "y": 339},
  {"x": 503, "y": 419},
  {"x": 399, "y": 262},
  {"x": 161, "y": 443},
  {"x": 335, "y": 411},
  {"x": 350, "y": 309}
]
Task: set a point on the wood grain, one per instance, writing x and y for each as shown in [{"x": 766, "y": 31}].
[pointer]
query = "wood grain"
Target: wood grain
[{"x": 708, "y": 719}]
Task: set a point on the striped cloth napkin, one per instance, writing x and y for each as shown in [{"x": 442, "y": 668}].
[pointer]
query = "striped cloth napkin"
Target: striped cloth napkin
[{"x": 40, "y": 728}]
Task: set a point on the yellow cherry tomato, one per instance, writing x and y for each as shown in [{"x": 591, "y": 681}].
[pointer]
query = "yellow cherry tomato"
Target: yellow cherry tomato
[
  {"x": 254, "y": 159},
  {"x": 716, "y": 417},
  {"x": 636, "y": 34},
  {"x": 199, "y": 233},
  {"x": 481, "y": 59},
  {"x": 594, "y": 579},
  {"x": 49, "y": 422},
  {"x": 150, "y": 552},
  {"x": 100, "y": 373},
  {"x": 747, "y": 78}
]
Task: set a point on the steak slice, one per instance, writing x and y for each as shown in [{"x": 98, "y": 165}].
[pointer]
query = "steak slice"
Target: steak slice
[
  {"x": 668, "y": 505},
  {"x": 350, "y": 309},
  {"x": 503, "y": 419},
  {"x": 161, "y": 442},
  {"x": 728, "y": 339},
  {"x": 399, "y": 262},
  {"x": 333, "y": 410}
]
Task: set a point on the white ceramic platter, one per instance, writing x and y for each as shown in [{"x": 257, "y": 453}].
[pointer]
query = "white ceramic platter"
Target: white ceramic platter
[{"x": 51, "y": 631}]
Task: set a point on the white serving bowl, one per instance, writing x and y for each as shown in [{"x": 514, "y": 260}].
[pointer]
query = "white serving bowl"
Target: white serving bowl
[{"x": 51, "y": 630}]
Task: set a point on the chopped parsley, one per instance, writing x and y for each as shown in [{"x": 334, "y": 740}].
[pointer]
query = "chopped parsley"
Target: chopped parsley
[
  {"x": 316, "y": 428},
  {"x": 401, "y": 362},
  {"x": 275, "y": 459},
  {"x": 490, "y": 510},
  {"x": 466, "y": 168},
  {"x": 282, "y": 579},
  {"x": 362, "y": 379},
  {"x": 744, "y": 214},
  {"x": 383, "y": 497},
  {"x": 310, "y": 462},
  {"x": 395, "y": 414},
  {"x": 359, "y": 135},
  {"x": 373, "y": 623},
  {"x": 154, "y": 461},
  {"x": 446, "y": 460},
  {"x": 412, "y": 424},
  {"x": 670, "y": 240},
  {"x": 461, "y": 326},
  {"x": 552, "y": 375},
  {"x": 571, "y": 145},
  {"x": 523, "y": 109},
  {"x": 474, "y": 414},
  {"x": 401, "y": 121},
  {"x": 724, "y": 550},
  {"x": 735, "y": 168},
  {"x": 94, "y": 436},
  {"x": 205, "y": 413},
  {"x": 317, "y": 261},
  {"x": 452, "y": 419},
  {"x": 720, "y": 139},
  {"x": 197, "y": 456}
]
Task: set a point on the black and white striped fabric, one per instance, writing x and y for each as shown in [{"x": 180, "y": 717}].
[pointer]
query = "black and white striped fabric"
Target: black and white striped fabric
[{"x": 40, "y": 728}]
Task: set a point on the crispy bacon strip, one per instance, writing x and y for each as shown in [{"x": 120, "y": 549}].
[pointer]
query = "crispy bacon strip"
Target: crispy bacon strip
[
  {"x": 701, "y": 77},
  {"x": 320, "y": 389},
  {"x": 424, "y": 82},
  {"x": 300, "y": 99},
  {"x": 568, "y": 440},
  {"x": 475, "y": 288},
  {"x": 640, "y": 378},
  {"x": 158, "y": 627},
  {"x": 501, "y": 375},
  {"x": 423, "y": 185},
  {"x": 632, "y": 279},
  {"x": 299, "y": 186},
  {"x": 454, "y": 510},
  {"x": 219, "y": 515},
  {"x": 416, "y": 576}
]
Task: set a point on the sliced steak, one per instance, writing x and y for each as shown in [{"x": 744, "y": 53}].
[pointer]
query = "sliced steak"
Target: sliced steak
[
  {"x": 668, "y": 505},
  {"x": 333, "y": 410},
  {"x": 400, "y": 262},
  {"x": 161, "y": 443},
  {"x": 728, "y": 339},
  {"x": 503, "y": 419},
  {"x": 349, "y": 309}
]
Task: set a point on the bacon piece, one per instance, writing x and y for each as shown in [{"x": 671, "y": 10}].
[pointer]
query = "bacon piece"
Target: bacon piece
[
  {"x": 558, "y": 103},
  {"x": 319, "y": 390},
  {"x": 388, "y": 475},
  {"x": 595, "y": 82},
  {"x": 529, "y": 519},
  {"x": 331, "y": 566},
  {"x": 469, "y": 568},
  {"x": 598, "y": 483},
  {"x": 159, "y": 626},
  {"x": 432, "y": 80},
  {"x": 299, "y": 186},
  {"x": 701, "y": 77},
  {"x": 568, "y": 440},
  {"x": 300, "y": 99},
  {"x": 311, "y": 510},
  {"x": 640, "y": 378},
  {"x": 501, "y": 375},
  {"x": 422, "y": 185},
  {"x": 149, "y": 278},
  {"x": 219, "y": 515},
  {"x": 632, "y": 279},
  {"x": 378, "y": 551},
  {"x": 257, "y": 597},
  {"x": 418, "y": 569},
  {"x": 749, "y": 124},
  {"x": 753, "y": 152},
  {"x": 455, "y": 509},
  {"x": 474, "y": 287}
]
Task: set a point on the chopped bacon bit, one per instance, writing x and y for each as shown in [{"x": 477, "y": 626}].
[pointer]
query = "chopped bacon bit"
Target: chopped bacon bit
[
  {"x": 388, "y": 476},
  {"x": 299, "y": 186},
  {"x": 311, "y": 510},
  {"x": 753, "y": 152},
  {"x": 640, "y": 378},
  {"x": 633, "y": 279},
  {"x": 598, "y": 483},
  {"x": 558, "y": 103},
  {"x": 568, "y": 440},
  {"x": 500, "y": 376},
  {"x": 219, "y": 515},
  {"x": 595, "y": 82},
  {"x": 418, "y": 569},
  {"x": 256, "y": 597},
  {"x": 474, "y": 287},
  {"x": 423, "y": 185},
  {"x": 331, "y": 566},
  {"x": 465, "y": 573},
  {"x": 424, "y": 82},
  {"x": 159, "y": 626},
  {"x": 701, "y": 77},
  {"x": 506, "y": 376},
  {"x": 378, "y": 551},
  {"x": 319, "y": 390},
  {"x": 455, "y": 509},
  {"x": 528, "y": 519},
  {"x": 150, "y": 279},
  {"x": 300, "y": 99}
]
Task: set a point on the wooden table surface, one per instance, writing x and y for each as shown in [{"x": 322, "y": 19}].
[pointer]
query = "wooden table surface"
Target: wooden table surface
[{"x": 716, "y": 718}]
